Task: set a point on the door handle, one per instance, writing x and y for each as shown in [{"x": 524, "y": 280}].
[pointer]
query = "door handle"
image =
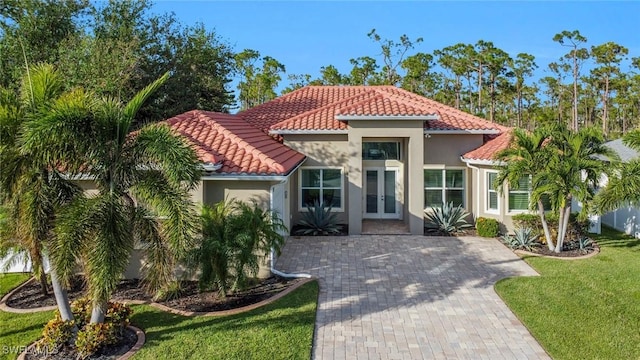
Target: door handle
[{"x": 381, "y": 197}]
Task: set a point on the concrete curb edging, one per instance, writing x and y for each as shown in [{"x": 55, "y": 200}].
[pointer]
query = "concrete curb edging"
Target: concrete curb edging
[
  {"x": 7, "y": 308},
  {"x": 136, "y": 347},
  {"x": 595, "y": 252},
  {"x": 223, "y": 312}
]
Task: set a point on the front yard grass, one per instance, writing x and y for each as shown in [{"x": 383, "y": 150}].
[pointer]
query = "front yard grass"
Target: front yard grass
[
  {"x": 281, "y": 330},
  {"x": 583, "y": 309}
]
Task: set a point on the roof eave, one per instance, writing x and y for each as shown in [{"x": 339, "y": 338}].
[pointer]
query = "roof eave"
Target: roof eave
[
  {"x": 461, "y": 131},
  {"x": 308, "y": 132},
  {"x": 387, "y": 117},
  {"x": 482, "y": 162}
]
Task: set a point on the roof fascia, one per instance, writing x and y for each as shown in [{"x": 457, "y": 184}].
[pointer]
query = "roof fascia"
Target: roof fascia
[
  {"x": 387, "y": 117},
  {"x": 483, "y": 132},
  {"x": 307, "y": 132}
]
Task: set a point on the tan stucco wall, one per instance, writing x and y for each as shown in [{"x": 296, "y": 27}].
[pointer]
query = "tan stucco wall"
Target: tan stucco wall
[
  {"x": 247, "y": 191},
  {"x": 446, "y": 149},
  {"x": 411, "y": 133},
  {"x": 503, "y": 215},
  {"x": 321, "y": 151}
]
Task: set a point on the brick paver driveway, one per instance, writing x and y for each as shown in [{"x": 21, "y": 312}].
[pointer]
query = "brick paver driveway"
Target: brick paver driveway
[{"x": 411, "y": 297}]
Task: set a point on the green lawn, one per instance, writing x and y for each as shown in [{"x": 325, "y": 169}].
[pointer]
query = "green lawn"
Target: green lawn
[
  {"x": 282, "y": 330},
  {"x": 583, "y": 309}
]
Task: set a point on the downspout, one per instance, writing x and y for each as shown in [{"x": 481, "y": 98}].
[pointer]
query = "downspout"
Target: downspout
[
  {"x": 477, "y": 212},
  {"x": 272, "y": 256}
]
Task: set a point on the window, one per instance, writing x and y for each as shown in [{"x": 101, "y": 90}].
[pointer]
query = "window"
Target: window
[
  {"x": 323, "y": 185},
  {"x": 381, "y": 151},
  {"x": 519, "y": 195},
  {"x": 492, "y": 193},
  {"x": 443, "y": 186}
]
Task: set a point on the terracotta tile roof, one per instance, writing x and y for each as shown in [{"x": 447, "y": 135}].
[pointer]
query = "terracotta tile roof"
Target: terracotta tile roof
[
  {"x": 238, "y": 146},
  {"x": 315, "y": 108},
  {"x": 492, "y": 145}
]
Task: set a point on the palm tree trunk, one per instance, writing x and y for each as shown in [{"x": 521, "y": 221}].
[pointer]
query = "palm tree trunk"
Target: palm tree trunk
[
  {"x": 61, "y": 298},
  {"x": 562, "y": 226},
  {"x": 97, "y": 313},
  {"x": 43, "y": 283},
  {"x": 545, "y": 226}
]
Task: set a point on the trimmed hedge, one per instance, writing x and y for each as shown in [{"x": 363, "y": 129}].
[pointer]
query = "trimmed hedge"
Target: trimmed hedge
[{"x": 487, "y": 227}]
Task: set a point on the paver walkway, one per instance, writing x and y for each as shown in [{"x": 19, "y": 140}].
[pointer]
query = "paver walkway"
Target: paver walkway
[{"x": 411, "y": 297}]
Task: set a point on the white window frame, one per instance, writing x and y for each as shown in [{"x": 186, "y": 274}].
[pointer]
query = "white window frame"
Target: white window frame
[
  {"x": 444, "y": 188},
  {"x": 342, "y": 201},
  {"x": 488, "y": 190},
  {"x": 528, "y": 192}
]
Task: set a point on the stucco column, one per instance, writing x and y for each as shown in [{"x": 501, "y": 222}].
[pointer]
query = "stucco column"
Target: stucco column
[
  {"x": 415, "y": 161},
  {"x": 354, "y": 189}
]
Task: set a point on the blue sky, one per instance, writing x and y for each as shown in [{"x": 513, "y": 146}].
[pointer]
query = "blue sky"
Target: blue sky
[{"x": 305, "y": 35}]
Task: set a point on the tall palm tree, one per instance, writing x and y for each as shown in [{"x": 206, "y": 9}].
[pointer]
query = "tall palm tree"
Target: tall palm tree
[
  {"x": 31, "y": 188},
  {"x": 526, "y": 157},
  {"x": 623, "y": 184},
  {"x": 143, "y": 180},
  {"x": 573, "y": 172}
]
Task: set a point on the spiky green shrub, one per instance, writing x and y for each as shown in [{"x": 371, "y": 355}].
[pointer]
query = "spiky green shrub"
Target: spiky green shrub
[
  {"x": 522, "y": 239},
  {"x": 318, "y": 220},
  {"x": 487, "y": 227},
  {"x": 448, "y": 219}
]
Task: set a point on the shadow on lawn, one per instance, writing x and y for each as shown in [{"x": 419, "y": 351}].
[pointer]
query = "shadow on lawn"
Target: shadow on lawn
[
  {"x": 161, "y": 326},
  {"x": 615, "y": 239}
]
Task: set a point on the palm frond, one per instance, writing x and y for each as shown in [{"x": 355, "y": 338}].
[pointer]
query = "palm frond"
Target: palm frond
[
  {"x": 632, "y": 139},
  {"x": 157, "y": 146},
  {"x": 134, "y": 105}
]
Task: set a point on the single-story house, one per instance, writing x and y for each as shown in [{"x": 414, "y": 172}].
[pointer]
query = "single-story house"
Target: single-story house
[
  {"x": 370, "y": 152},
  {"x": 625, "y": 218}
]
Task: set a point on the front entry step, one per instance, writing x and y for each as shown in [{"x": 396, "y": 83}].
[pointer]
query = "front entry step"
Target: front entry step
[{"x": 384, "y": 227}]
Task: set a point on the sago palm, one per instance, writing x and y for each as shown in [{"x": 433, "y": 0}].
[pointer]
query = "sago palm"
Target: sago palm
[
  {"x": 142, "y": 178},
  {"x": 31, "y": 188}
]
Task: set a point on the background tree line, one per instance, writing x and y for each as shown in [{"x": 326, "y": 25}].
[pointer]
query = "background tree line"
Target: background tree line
[{"x": 114, "y": 48}]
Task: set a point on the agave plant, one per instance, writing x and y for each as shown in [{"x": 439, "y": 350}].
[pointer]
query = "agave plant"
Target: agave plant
[
  {"x": 318, "y": 220},
  {"x": 448, "y": 219},
  {"x": 585, "y": 244},
  {"x": 523, "y": 239}
]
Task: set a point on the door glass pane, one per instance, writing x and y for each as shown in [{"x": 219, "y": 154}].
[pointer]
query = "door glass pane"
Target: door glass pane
[
  {"x": 372, "y": 191},
  {"x": 455, "y": 196},
  {"x": 432, "y": 198},
  {"x": 390, "y": 192},
  {"x": 331, "y": 178},
  {"x": 433, "y": 178},
  {"x": 454, "y": 178}
]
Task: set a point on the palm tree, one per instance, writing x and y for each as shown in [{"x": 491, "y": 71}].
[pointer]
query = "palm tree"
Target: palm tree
[
  {"x": 563, "y": 166},
  {"x": 623, "y": 184},
  {"x": 143, "y": 180},
  {"x": 574, "y": 169},
  {"x": 31, "y": 189},
  {"x": 526, "y": 157}
]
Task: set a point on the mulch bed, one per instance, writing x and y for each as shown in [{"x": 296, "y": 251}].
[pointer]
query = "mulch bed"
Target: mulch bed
[
  {"x": 570, "y": 250},
  {"x": 106, "y": 353},
  {"x": 191, "y": 298}
]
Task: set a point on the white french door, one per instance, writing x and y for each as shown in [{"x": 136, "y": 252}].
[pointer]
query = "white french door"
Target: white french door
[{"x": 380, "y": 193}]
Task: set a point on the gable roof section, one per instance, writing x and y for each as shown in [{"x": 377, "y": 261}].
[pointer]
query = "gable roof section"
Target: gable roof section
[
  {"x": 326, "y": 108},
  {"x": 625, "y": 153},
  {"x": 240, "y": 148},
  {"x": 492, "y": 145}
]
